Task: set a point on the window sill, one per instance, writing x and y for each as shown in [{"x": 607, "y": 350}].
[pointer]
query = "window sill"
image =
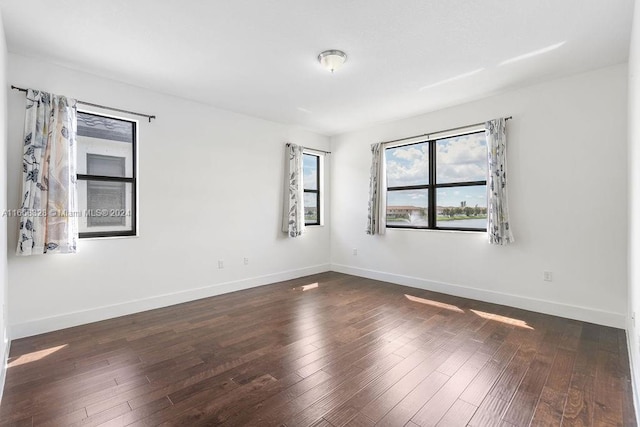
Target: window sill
[
  {"x": 134, "y": 236},
  {"x": 442, "y": 230}
]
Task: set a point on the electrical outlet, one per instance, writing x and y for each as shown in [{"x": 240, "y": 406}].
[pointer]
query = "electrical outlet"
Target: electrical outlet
[
  {"x": 355, "y": 251},
  {"x": 547, "y": 276},
  {"x": 246, "y": 261},
  {"x": 220, "y": 264}
]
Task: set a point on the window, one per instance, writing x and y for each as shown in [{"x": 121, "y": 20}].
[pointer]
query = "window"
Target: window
[
  {"x": 438, "y": 183},
  {"x": 311, "y": 185},
  {"x": 106, "y": 175}
]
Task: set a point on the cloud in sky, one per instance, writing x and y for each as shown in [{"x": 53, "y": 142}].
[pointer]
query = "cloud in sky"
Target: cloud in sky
[
  {"x": 459, "y": 159},
  {"x": 408, "y": 165},
  {"x": 310, "y": 172},
  {"x": 462, "y": 158}
]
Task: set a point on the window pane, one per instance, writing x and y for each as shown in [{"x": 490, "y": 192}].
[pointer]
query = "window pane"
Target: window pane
[
  {"x": 310, "y": 171},
  {"x": 101, "y": 127},
  {"x": 461, "y": 159},
  {"x": 462, "y": 207},
  {"x": 98, "y": 164},
  {"x": 408, "y": 165},
  {"x": 311, "y": 208},
  {"x": 408, "y": 208},
  {"x": 101, "y": 139},
  {"x": 105, "y": 206}
]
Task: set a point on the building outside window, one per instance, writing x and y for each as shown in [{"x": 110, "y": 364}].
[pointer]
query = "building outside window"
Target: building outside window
[{"x": 106, "y": 177}]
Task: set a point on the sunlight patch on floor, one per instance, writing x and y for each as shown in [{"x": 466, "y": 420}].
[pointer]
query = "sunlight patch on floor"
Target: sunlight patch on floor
[
  {"x": 306, "y": 287},
  {"x": 34, "y": 357},
  {"x": 489, "y": 316},
  {"x": 502, "y": 319},
  {"x": 434, "y": 303}
]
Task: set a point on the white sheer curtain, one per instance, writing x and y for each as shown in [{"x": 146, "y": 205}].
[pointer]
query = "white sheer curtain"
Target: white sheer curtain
[
  {"x": 293, "y": 206},
  {"x": 377, "y": 212},
  {"x": 48, "y": 211},
  {"x": 498, "y": 226}
]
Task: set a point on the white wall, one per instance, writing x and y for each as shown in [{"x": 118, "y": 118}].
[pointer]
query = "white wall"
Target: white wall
[
  {"x": 568, "y": 180},
  {"x": 633, "y": 331},
  {"x": 4, "y": 338},
  {"x": 210, "y": 188},
  {"x": 568, "y": 200}
]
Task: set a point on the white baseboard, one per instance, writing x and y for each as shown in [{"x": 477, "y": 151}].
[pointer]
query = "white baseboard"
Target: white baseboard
[
  {"x": 67, "y": 320},
  {"x": 632, "y": 367},
  {"x": 5, "y": 362},
  {"x": 586, "y": 314}
]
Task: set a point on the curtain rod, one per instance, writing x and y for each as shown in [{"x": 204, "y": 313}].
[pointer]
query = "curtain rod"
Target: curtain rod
[
  {"x": 313, "y": 149},
  {"x": 91, "y": 104},
  {"x": 319, "y": 151},
  {"x": 441, "y": 131}
]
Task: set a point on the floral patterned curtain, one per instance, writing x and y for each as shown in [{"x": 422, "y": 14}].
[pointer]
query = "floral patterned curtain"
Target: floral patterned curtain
[
  {"x": 293, "y": 209},
  {"x": 48, "y": 213},
  {"x": 498, "y": 227},
  {"x": 377, "y": 213}
]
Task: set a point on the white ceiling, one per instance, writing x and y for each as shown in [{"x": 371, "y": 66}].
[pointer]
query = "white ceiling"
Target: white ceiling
[{"x": 257, "y": 57}]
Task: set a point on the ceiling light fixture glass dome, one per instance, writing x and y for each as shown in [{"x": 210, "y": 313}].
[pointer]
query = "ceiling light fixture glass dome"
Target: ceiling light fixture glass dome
[{"x": 332, "y": 59}]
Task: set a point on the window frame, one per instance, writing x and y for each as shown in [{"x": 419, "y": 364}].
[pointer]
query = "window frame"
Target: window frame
[
  {"x": 432, "y": 186},
  {"x": 317, "y": 191},
  {"x": 133, "y": 232}
]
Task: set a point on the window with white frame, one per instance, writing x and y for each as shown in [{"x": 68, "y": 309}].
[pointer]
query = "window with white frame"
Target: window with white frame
[{"x": 106, "y": 175}]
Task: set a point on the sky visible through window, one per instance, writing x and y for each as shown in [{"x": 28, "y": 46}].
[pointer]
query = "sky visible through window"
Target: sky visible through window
[
  {"x": 311, "y": 190},
  {"x": 310, "y": 172},
  {"x": 458, "y": 159}
]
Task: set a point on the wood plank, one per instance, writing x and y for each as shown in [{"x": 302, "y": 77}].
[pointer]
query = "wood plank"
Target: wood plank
[
  {"x": 554, "y": 394},
  {"x": 579, "y": 405},
  {"x": 431, "y": 357},
  {"x": 459, "y": 414},
  {"x": 348, "y": 388},
  {"x": 490, "y": 412},
  {"x": 608, "y": 390},
  {"x": 411, "y": 404},
  {"x": 488, "y": 375},
  {"x": 378, "y": 407},
  {"x": 361, "y": 421},
  {"x": 524, "y": 402},
  {"x": 142, "y": 412},
  {"x": 439, "y": 404},
  {"x": 259, "y": 411}
]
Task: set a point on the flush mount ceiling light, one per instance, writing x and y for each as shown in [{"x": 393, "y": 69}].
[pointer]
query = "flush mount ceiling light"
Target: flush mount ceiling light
[{"x": 332, "y": 59}]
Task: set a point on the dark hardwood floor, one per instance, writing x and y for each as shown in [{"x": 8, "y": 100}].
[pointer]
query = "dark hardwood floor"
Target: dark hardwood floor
[{"x": 346, "y": 351}]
